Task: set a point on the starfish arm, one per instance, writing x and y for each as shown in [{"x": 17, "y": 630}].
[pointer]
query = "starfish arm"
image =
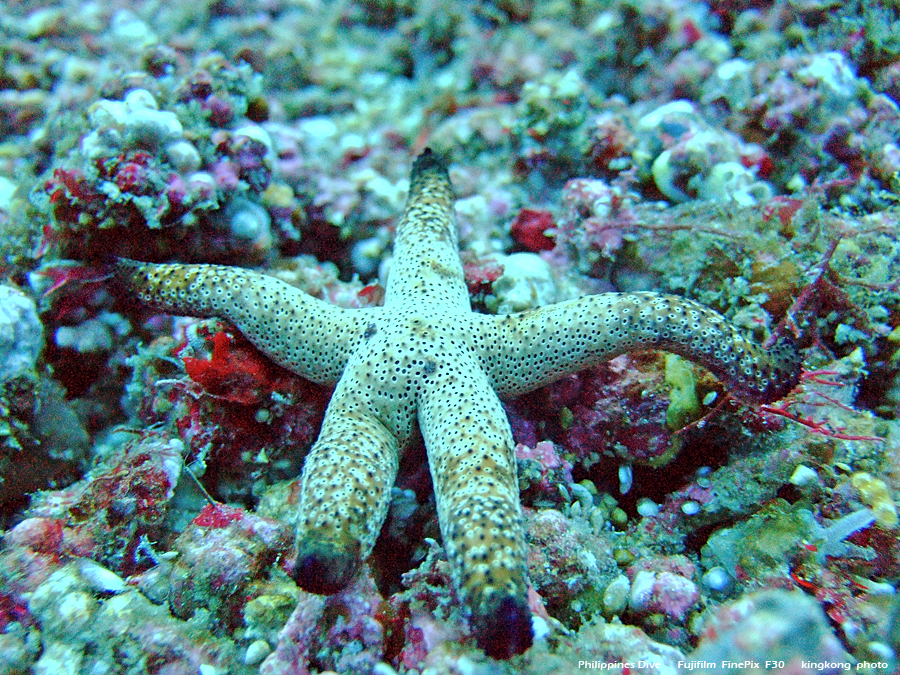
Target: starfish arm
[
  {"x": 302, "y": 333},
  {"x": 473, "y": 469},
  {"x": 344, "y": 492},
  {"x": 522, "y": 352},
  {"x": 425, "y": 267}
]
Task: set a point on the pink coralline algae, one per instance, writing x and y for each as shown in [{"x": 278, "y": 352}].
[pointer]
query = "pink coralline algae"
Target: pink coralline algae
[
  {"x": 429, "y": 639},
  {"x": 167, "y": 157},
  {"x": 820, "y": 119},
  {"x": 243, "y": 159},
  {"x": 339, "y": 633},
  {"x": 542, "y": 470},
  {"x": 120, "y": 505},
  {"x": 224, "y": 556},
  {"x": 85, "y": 617},
  {"x": 608, "y": 406},
  {"x": 663, "y": 585},
  {"x": 550, "y": 112},
  {"x": 50, "y": 536},
  {"x": 423, "y": 616},
  {"x": 688, "y": 148},
  {"x": 568, "y": 564},
  {"x": 594, "y": 223},
  {"x": 600, "y": 646},
  {"x": 85, "y": 613}
]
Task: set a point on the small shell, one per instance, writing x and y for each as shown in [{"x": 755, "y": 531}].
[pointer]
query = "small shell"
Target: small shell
[
  {"x": 716, "y": 579},
  {"x": 99, "y": 579},
  {"x": 256, "y": 652},
  {"x": 803, "y": 475},
  {"x": 625, "y": 478},
  {"x": 540, "y": 627},
  {"x": 140, "y": 99},
  {"x": 623, "y": 557},
  {"x": 255, "y": 133},
  {"x": 615, "y": 597},
  {"x": 647, "y": 507}
]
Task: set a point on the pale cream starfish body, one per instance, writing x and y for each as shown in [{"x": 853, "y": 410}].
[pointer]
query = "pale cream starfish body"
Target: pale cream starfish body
[{"x": 425, "y": 358}]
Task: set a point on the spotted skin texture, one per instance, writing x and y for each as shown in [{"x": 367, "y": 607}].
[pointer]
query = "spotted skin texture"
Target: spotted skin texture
[
  {"x": 297, "y": 331},
  {"x": 425, "y": 358},
  {"x": 597, "y": 328}
]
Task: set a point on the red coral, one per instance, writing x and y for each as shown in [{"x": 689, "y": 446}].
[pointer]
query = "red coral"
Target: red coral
[
  {"x": 782, "y": 208},
  {"x": 71, "y": 195},
  {"x": 480, "y": 274},
  {"x": 372, "y": 295},
  {"x": 217, "y": 515},
  {"x": 529, "y": 230},
  {"x": 236, "y": 372},
  {"x": 133, "y": 178},
  {"x": 235, "y": 407}
]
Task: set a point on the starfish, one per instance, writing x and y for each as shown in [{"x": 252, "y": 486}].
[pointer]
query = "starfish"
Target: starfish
[{"x": 425, "y": 358}]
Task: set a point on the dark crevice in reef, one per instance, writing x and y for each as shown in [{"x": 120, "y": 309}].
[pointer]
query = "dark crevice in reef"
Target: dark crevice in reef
[{"x": 400, "y": 543}]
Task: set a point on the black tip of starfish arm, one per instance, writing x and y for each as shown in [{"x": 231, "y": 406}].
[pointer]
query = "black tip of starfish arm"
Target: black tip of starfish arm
[
  {"x": 503, "y": 627},
  {"x": 428, "y": 167},
  {"x": 322, "y": 568},
  {"x": 128, "y": 277},
  {"x": 428, "y": 159},
  {"x": 125, "y": 267}
]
